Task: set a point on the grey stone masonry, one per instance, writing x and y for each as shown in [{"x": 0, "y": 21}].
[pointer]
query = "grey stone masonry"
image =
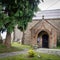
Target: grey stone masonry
[{"x": 49, "y": 51}]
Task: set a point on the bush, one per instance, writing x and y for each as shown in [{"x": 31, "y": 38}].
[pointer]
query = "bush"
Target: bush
[
  {"x": 31, "y": 53},
  {"x": 58, "y": 42}
]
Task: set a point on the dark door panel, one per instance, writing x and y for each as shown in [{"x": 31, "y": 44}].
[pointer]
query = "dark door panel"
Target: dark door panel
[{"x": 45, "y": 41}]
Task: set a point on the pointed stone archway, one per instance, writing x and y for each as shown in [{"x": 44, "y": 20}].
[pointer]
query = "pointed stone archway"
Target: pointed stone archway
[
  {"x": 49, "y": 33},
  {"x": 43, "y": 39}
]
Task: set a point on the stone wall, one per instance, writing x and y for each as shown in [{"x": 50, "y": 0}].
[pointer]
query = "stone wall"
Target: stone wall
[
  {"x": 37, "y": 26},
  {"x": 28, "y": 32},
  {"x": 49, "y": 28},
  {"x": 17, "y": 34}
]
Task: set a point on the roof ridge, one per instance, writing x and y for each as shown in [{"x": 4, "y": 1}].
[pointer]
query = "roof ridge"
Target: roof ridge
[
  {"x": 52, "y": 25},
  {"x": 36, "y": 24}
]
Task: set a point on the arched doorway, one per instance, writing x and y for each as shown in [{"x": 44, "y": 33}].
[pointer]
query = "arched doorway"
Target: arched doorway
[{"x": 43, "y": 39}]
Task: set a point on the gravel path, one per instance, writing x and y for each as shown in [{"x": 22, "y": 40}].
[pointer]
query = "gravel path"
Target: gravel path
[
  {"x": 12, "y": 53},
  {"x": 41, "y": 50}
]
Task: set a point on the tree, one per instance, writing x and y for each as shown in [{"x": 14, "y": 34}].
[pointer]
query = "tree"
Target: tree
[
  {"x": 7, "y": 24},
  {"x": 23, "y": 27},
  {"x": 7, "y": 18},
  {"x": 17, "y": 11},
  {"x": 0, "y": 38},
  {"x": 1, "y": 26},
  {"x": 26, "y": 13}
]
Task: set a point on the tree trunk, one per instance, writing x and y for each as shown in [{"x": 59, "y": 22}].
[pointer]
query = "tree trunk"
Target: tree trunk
[
  {"x": 0, "y": 38},
  {"x": 23, "y": 36},
  {"x": 8, "y": 40},
  {"x": 14, "y": 36}
]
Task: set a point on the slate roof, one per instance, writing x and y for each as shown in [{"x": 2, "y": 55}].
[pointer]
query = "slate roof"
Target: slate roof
[
  {"x": 53, "y": 17},
  {"x": 48, "y": 14}
]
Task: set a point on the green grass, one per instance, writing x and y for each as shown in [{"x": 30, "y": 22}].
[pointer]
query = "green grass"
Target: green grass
[
  {"x": 14, "y": 47},
  {"x": 25, "y": 57},
  {"x": 18, "y": 45}
]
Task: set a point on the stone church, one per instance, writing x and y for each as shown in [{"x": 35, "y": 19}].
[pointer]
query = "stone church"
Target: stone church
[{"x": 44, "y": 30}]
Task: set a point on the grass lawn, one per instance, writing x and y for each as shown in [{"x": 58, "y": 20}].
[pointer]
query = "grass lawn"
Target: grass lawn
[
  {"x": 15, "y": 47},
  {"x": 25, "y": 57}
]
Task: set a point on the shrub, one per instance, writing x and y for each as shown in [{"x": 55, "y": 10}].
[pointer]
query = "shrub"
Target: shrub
[
  {"x": 31, "y": 53},
  {"x": 58, "y": 42}
]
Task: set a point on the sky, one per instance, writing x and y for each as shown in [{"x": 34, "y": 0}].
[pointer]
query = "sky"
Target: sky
[
  {"x": 49, "y": 4},
  {"x": 3, "y": 35},
  {"x": 46, "y": 5}
]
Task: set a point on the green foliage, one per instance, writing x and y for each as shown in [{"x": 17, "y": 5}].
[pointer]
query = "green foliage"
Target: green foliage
[
  {"x": 14, "y": 47},
  {"x": 11, "y": 24},
  {"x": 58, "y": 43},
  {"x": 24, "y": 57},
  {"x": 7, "y": 23},
  {"x": 26, "y": 12},
  {"x": 31, "y": 53},
  {"x": 22, "y": 25},
  {"x": 2, "y": 21},
  {"x": 19, "y": 12}
]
